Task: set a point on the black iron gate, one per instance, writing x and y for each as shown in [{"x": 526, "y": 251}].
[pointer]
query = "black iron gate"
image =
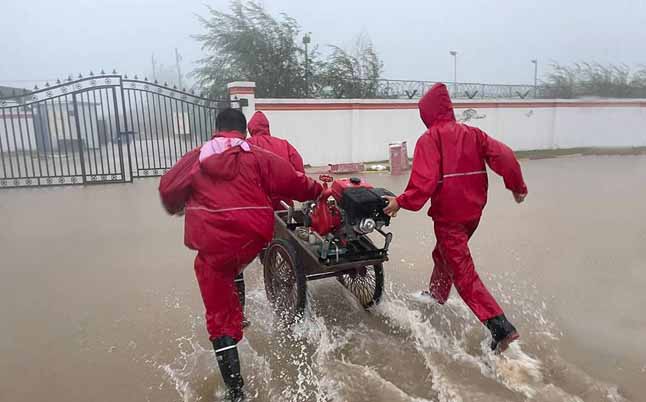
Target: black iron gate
[
  {"x": 164, "y": 123},
  {"x": 106, "y": 128}
]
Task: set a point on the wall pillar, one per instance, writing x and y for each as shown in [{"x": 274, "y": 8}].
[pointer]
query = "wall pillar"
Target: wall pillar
[{"x": 245, "y": 93}]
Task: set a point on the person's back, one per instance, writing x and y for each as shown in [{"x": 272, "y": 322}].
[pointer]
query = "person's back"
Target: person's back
[
  {"x": 261, "y": 136},
  {"x": 230, "y": 191},
  {"x": 450, "y": 159}
]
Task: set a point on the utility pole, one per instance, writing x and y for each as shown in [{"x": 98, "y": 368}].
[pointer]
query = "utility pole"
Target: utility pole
[
  {"x": 154, "y": 62},
  {"x": 535, "y": 63},
  {"x": 306, "y": 41},
  {"x": 178, "y": 59},
  {"x": 455, "y": 71}
]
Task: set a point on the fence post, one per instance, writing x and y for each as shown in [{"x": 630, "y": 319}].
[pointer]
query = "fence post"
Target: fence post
[{"x": 244, "y": 91}]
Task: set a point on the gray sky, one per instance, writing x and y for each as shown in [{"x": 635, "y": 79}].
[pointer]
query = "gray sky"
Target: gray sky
[{"x": 45, "y": 39}]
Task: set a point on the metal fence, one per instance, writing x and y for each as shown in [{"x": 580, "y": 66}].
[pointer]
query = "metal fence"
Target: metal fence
[
  {"x": 99, "y": 129},
  {"x": 405, "y": 89}
]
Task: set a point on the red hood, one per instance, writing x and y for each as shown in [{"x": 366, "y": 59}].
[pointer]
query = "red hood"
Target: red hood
[
  {"x": 258, "y": 125},
  {"x": 435, "y": 106},
  {"x": 224, "y": 166}
]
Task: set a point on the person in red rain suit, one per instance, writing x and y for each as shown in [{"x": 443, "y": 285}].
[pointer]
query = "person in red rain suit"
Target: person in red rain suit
[
  {"x": 224, "y": 188},
  {"x": 261, "y": 136},
  {"x": 449, "y": 167}
]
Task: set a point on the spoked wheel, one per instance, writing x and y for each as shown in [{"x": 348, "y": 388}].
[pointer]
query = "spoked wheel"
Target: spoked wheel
[
  {"x": 366, "y": 284},
  {"x": 285, "y": 282}
]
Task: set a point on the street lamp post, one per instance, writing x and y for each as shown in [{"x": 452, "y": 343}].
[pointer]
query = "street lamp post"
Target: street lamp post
[
  {"x": 306, "y": 41},
  {"x": 455, "y": 70},
  {"x": 535, "y": 63}
]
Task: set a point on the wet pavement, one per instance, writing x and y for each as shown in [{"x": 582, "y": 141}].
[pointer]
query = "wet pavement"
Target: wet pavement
[{"x": 98, "y": 302}]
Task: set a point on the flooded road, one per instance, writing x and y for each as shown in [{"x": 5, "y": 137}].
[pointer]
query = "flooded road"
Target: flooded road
[{"x": 98, "y": 302}]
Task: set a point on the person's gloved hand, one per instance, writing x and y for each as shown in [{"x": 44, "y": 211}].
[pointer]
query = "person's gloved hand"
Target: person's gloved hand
[
  {"x": 392, "y": 207},
  {"x": 519, "y": 197}
]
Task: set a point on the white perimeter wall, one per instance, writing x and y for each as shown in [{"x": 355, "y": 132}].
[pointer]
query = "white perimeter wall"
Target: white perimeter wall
[{"x": 338, "y": 131}]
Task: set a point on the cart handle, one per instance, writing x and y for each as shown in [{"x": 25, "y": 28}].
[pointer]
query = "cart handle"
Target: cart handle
[{"x": 290, "y": 211}]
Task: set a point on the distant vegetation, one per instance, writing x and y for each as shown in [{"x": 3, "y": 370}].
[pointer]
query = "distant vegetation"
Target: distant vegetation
[
  {"x": 594, "y": 79},
  {"x": 247, "y": 43}
]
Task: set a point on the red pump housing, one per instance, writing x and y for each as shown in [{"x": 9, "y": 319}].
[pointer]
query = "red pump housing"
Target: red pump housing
[
  {"x": 326, "y": 216},
  {"x": 340, "y": 185}
]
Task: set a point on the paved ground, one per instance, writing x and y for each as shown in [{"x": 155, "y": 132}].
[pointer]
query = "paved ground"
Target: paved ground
[{"x": 98, "y": 302}]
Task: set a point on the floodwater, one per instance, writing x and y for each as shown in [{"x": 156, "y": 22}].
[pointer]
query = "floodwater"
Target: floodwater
[{"x": 98, "y": 302}]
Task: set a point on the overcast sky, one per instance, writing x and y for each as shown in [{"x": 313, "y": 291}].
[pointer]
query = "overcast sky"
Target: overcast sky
[{"x": 495, "y": 40}]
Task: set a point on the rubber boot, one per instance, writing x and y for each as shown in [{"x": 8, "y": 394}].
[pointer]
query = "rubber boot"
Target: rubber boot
[
  {"x": 502, "y": 333},
  {"x": 226, "y": 353}
]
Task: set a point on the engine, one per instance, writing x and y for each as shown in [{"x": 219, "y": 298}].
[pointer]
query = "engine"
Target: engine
[{"x": 345, "y": 213}]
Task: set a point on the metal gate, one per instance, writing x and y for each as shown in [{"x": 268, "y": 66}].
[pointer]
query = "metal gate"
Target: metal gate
[
  {"x": 164, "y": 123},
  {"x": 99, "y": 129}
]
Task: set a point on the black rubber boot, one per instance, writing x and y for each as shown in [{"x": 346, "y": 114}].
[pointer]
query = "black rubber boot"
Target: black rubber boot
[
  {"x": 502, "y": 333},
  {"x": 226, "y": 353}
]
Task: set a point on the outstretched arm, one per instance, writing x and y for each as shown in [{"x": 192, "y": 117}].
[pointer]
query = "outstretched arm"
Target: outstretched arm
[
  {"x": 424, "y": 176},
  {"x": 175, "y": 185},
  {"x": 283, "y": 181},
  {"x": 501, "y": 159}
]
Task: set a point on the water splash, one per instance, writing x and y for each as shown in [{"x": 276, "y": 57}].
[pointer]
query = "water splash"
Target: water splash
[{"x": 340, "y": 352}]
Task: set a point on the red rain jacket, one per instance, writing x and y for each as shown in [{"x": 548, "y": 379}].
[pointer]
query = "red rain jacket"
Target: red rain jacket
[
  {"x": 227, "y": 196},
  {"x": 449, "y": 164},
  {"x": 260, "y": 136}
]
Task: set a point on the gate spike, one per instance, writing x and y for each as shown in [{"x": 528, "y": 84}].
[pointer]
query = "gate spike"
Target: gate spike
[{"x": 102, "y": 72}]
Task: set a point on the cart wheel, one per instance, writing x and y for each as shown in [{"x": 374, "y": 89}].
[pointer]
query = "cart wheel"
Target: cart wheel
[
  {"x": 366, "y": 284},
  {"x": 285, "y": 282}
]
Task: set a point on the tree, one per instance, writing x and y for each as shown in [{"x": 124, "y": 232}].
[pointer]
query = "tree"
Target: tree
[
  {"x": 353, "y": 74},
  {"x": 594, "y": 79},
  {"x": 249, "y": 44}
]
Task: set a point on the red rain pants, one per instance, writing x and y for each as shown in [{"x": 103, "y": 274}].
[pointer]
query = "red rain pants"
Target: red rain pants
[
  {"x": 454, "y": 266},
  {"x": 216, "y": 275}
]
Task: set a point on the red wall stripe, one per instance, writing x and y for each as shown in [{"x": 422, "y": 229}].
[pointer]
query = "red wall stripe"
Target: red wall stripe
[{"x": 242, "y": 91}]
